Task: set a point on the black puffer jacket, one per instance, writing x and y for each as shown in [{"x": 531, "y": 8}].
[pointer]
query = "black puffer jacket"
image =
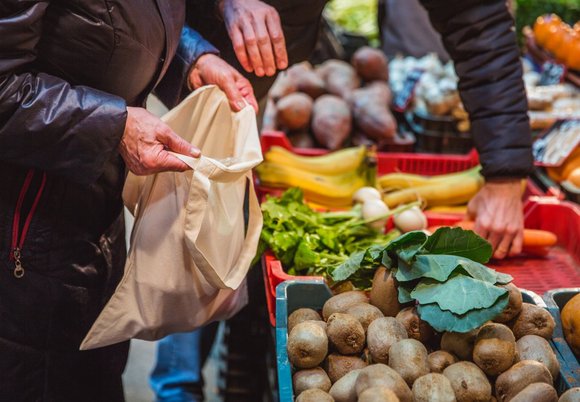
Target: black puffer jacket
[{"x": 68, "y": 69}]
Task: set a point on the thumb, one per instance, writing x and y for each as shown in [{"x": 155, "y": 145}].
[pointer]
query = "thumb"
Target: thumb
[
  {"x": 177, "y": 144},
  {"x": 233, "y": 94}
]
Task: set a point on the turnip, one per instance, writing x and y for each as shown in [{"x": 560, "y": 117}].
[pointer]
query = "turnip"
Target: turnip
[
  {"x": 372, "y": 210},
  {"x": 411, "y": 219},
  {"x": 364, "y": 194}
]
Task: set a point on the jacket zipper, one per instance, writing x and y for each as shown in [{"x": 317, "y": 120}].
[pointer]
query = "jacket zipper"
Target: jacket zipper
[{"x": 18, "y": 239}]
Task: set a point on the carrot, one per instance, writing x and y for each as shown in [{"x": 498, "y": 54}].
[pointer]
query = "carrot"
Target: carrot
[{"x": 533, "y": 238}]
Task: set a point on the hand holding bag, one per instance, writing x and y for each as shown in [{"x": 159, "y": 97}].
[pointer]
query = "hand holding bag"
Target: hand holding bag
[{"x": 190, "y": 246}]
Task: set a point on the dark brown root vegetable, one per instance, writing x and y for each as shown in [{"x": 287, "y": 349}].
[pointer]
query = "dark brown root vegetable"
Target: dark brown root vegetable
[
  {"x": 537, "y": 392},
  {"x": 440, "y": 360},
  {"x": 533, "y": 320},
  {"x": 408, "y": 357},
  {"x": 301, "y": 139},
  {"x": 433, "y": 387},
  {"x": 494, "y": 349},
  {"x": 294, "y": 111},
  {"x": 365, "y": 313},
  {"x": 345, "y": 333},
  {"x": 460, "y": 344},
  {"x": 301, "y": 315},
  {"x": 468, "y": 382},
  {"x": 572, "y": 395},
  {"x": 533, "y": 347},
  {"x": 337, "y": 366},
  {"x": 370, "y": 64},
  {"x": 378, "y": 394},
  {"x": 306, "y": 80},
  {"x": 314, "y": 395},
  {"x": 415, "y": 326},
  {"x": 381, "y": 335},
  {"x": 309, "y": 379},
  {"x": 514, "y": 304},
  {"x": 518, "y": 377},
  {"x": 331, "y": 121},
  {"x": 381, "y": 375},
  {"x": 307, "y": 345},
  {"x": 344, "y": 390},
  {"x": 339, "y": 77},
  {"x": 371, "y": 112},
  {"x": 341, "y": 302},
  {"x": 282, "y": 86},
  {"x": 384, "y": 293}
]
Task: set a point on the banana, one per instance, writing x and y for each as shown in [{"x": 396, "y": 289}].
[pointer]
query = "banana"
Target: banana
[
  {"x": 339, "y": 162},
  {"x": 332, "y": 191},
  {"x": 397, "y": 181}
]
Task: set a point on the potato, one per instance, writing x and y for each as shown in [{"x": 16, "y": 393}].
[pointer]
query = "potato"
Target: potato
[
  {"x": 381, "y": 375},
  {"x": 344, "y": 390},
  {"x": 310, "y": 378},
  {"x": 534, "y": 347},
  {"x": 468, "y": 382},
  {"x": 381, "y": 335},
  {"x": 345, "y": 333},
  {"x": 433, "y": 387},
  {"x": 378, "y": 394},
  {"x": 572, "y": 395},
  {"x": 331, "y": 121},
  {"x": 415, "y": 326},
  {"x": 384, "y": 293},
  {"x": 440, "y": 360},
  {"x": 339, "y": 77},
  {"x": 514, "y": 304},
  {"x": 307, "y": 345},
  {"x": 301, "y": 315},
  {"x": 365, "y": 313},
  {"x": 533, "y": 320},
  {"x": 460, "y": 344},
  {"x": 537, "y": 392},
  {"x": 371, "y": 113},
  {"x": 408, "y": 357},
  {"x": 370, "y": 64},
  {"x": 341, "y": 302},
  {"x": 337, "y": 366},
  {"x": 314, "y": 395},
  {"x": 306, "y": 80},
  {"x": 518, "y": 377},
  {"x": 494, "y": 349},
  {"x": 294, "y": 111}
]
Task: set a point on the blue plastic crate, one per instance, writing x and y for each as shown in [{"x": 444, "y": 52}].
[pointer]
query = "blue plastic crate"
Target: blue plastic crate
[{"x": 294, "y": 294}]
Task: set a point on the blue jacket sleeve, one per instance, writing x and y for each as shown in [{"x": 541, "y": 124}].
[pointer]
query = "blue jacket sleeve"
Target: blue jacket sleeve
[
  {"x": 174, "y": 86},
  {"x": 480, "y": 38}
]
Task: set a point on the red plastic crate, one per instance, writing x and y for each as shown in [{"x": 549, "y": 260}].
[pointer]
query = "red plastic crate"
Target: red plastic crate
[{"x": 560, "y": 268}]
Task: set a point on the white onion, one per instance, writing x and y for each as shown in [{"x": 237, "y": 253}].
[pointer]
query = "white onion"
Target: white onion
[
  {"x": 366, "y": 193},
  {"x": 411, "y": 219}
]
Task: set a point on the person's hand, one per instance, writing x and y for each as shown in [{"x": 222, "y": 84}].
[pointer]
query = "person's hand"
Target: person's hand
[
  {"x": 211, "y": 69},
  {"x": 498, "y": 214},
  {"x": 256, "y": 34},
  {"x": 146, "y": 142}
]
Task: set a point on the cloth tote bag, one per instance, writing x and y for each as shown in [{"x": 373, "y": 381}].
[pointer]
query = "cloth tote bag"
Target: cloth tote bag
[{"x": 191, "y": 247}]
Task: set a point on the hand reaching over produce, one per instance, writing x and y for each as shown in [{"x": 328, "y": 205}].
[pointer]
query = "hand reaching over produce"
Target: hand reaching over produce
[
  {"x": 146, "y": 142},
  {"x": 497, "y": 210},
  {"x": 211, "y": 69},
  {"x": 256, "y": 33}
]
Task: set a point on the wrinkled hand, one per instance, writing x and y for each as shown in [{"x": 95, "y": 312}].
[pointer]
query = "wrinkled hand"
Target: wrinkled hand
[
  {"x": 497, "y": 210},
  {"x": 256, "y": 34},
  {"x": 146, "y": 142},
  {"x": 211, "y": 69}
]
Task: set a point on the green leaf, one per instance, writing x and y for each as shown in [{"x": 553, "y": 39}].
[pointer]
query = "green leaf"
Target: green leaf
[
  {"x": 463, "y": 243},
  {"x": 407, "y": 245},
  {"x": 503, "y": 279},
  {"x": 446, "y": 321},
  {"x": 349, "y": 267},
  {"x": 305, "y": 258},
  {"x": 404, "y": 294},
  {"x": 459, "y": 294}
]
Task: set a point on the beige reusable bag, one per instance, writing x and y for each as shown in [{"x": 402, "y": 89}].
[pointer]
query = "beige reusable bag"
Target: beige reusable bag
[{"x": 190, "y": 251}]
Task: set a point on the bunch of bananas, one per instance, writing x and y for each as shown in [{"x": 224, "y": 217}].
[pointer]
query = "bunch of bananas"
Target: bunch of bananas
[
  {"x": 329, "y": 180},
  {"x": 447, "y": 189}
]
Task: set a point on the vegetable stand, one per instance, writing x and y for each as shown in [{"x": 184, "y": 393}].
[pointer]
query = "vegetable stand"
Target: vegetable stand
[{"x": 295, "y": 294}]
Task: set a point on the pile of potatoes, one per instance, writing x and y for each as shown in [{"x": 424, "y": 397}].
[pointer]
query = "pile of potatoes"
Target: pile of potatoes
[
  {"x": 369, "y": 348},
  {"x": 333, "y": 101}
]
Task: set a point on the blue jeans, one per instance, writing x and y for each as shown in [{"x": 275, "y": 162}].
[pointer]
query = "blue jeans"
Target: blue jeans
[{"x": 180, "y": 358}]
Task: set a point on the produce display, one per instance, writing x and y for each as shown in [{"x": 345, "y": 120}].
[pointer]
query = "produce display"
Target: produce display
[
  {"x": 355, "y": 17},
  {"x": 559, "y": 38},
  {"x": 335, "y": 103}
]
